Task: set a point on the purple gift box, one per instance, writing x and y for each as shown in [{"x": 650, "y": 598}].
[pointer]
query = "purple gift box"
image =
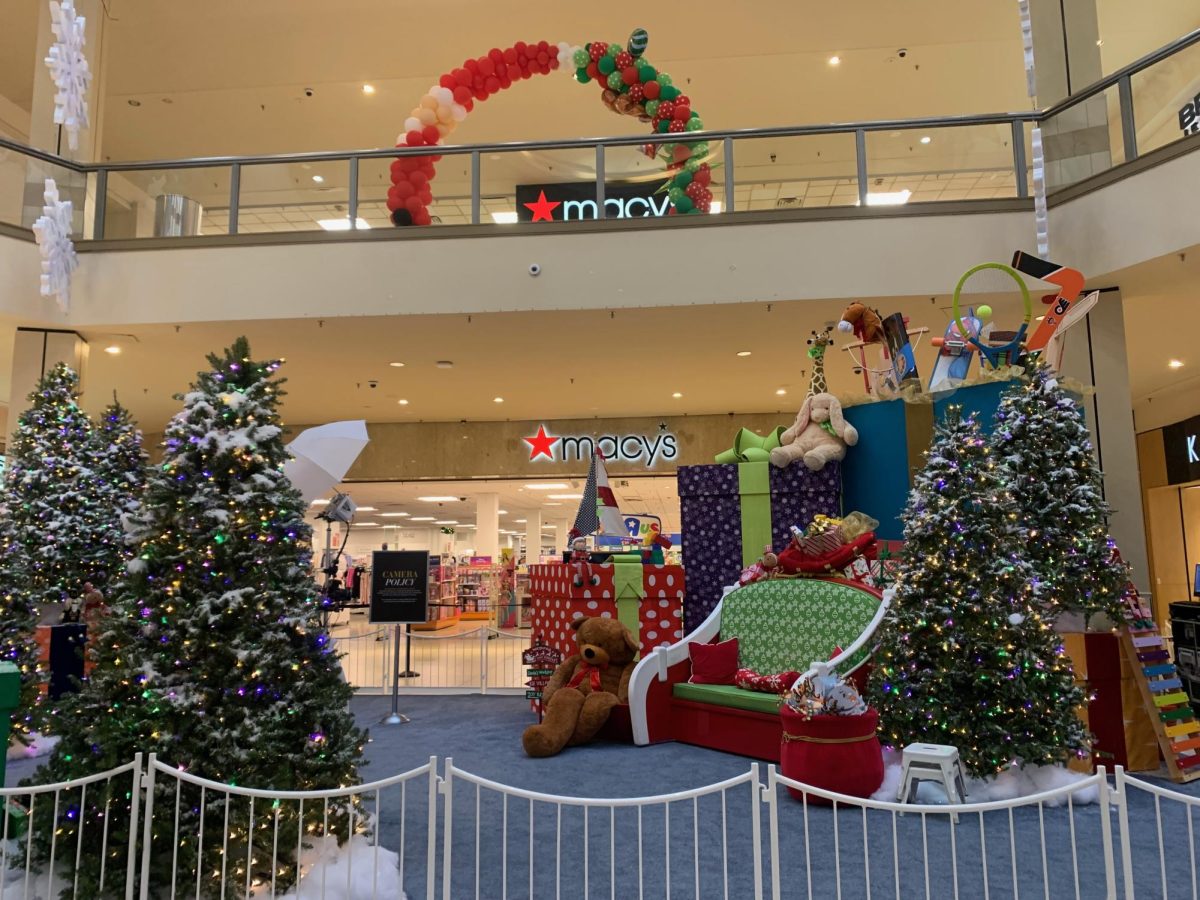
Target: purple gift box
[{"x": 710, "y": 509}]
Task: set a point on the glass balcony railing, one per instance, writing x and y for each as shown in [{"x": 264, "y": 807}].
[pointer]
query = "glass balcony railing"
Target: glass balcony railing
[{"x": 1148, "y": 105}]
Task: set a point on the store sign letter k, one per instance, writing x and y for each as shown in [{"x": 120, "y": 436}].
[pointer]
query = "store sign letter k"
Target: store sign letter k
[{"x": 1191, "y": 445}]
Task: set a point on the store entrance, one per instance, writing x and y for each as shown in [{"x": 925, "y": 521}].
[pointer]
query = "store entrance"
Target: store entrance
[
  {"x": 1173, "y": 518},
  {"x": 481, "y": 536}
]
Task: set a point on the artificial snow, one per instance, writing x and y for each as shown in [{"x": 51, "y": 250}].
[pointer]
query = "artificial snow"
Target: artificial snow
[
  {"x": 1009, "y": 785},
  {"x": 354, "y": 871},
  {"x": 39, "y": 745}
]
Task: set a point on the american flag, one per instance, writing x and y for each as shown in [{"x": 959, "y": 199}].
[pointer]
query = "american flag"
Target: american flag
[{"x": 598, "y": 509}]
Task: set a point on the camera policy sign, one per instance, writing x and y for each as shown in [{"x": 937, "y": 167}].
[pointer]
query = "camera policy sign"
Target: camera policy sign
[{"x": 399, "y": 586}]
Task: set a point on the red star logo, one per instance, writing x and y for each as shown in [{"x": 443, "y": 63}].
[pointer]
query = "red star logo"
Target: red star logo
[
  {"x": 541, "y": 443},
  {"x": 543, "y": 209}
]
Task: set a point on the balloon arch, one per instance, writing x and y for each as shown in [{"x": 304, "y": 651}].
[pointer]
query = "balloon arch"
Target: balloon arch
[{"x": 629, "y": 86}]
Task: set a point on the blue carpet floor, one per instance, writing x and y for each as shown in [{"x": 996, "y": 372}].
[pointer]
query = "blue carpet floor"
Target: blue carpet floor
[{"x": 703, "y": 848}]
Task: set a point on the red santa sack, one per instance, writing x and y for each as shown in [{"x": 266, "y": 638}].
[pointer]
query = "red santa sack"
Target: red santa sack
[{"x": 834, "y": 753}]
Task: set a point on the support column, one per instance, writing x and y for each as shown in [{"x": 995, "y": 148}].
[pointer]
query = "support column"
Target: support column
[
  {"x": 562, "y": 528},
  {"x": 533, "y": 537},
  {"x": 487, "y": 526},
  {"x": 35, "y": 352},
  {"x": 1096, "y": 356}
]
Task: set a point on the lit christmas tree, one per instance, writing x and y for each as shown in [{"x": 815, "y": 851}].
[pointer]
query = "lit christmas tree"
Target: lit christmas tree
[
  {"x": 212, "y": 656},
  {"x": 123, "y": 459},
  {"x": 18, "y": 624},
  {"x": 1043, "y": 441},
  {"x": 966, "y": 657}
]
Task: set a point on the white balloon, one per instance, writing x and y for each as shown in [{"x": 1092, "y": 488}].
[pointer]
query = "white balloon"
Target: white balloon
[
  {"x": 412, "y": 123},
  {"x": 445, "y": 96},
  {"x": 459, "y": 112}
]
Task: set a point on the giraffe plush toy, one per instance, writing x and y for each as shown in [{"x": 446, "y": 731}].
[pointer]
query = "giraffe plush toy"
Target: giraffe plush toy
[{"x": 816, "y": 352}]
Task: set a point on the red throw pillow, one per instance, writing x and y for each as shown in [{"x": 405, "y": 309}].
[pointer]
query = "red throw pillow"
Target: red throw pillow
[
  {"x": 714, "y": 663},
  {"x": 749, "y": 680}
]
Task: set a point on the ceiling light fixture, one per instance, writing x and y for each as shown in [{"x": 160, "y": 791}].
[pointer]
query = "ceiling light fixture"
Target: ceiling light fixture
[
  {"x": 344, "y": 223},
  {"x": 444, "y": 364},
  {"x": 743, "y": 353},
  {"x": 319, "y": 179},
  {"x": 367, "y": 509},
  {"x": 319, "y": 503},
  {"x": 134, "y": 102},
  {"x": 780, "y": 392},
  {"x": 422, "y": 519},
  {"x": 926, "y": 139},
  {"x": 1175, "y": 364},
  {"x": 548, "y": 486},
  {"x": 503, "y": 512},
  {"x": 396, "y": 365},
  {"x": 438, "y": 499},
  {"x": 446, "y": 522},
  {"x": 402, "y": 402},
  {"x": 497, "y": 399},
  {"x": 888, "y": 198},
  {"x": 520, "y": 521},
  {"x": 677, "y": 395},
  {"x": 112, "y": 349},
  {"x": 367, "y": 524},
  {"x": 506, "y": 217},
  {"x": 395, "y": 515},
  {"x": 553, "y": 504},
  {"x": 368, "y": 89},
  {"x": 835, "y": 60},
  {"x": 566, "y": 496}
]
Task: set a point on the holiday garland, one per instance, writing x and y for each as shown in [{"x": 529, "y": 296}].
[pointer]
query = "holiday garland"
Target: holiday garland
[{"x": 629, "y": 85}]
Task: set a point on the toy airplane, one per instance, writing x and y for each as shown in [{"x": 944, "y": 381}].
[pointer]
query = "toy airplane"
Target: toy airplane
[{"x": 1070, "y": 284}]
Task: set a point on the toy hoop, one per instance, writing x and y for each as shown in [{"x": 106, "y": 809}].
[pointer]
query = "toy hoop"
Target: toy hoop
[{"x": 991, "y": 353}]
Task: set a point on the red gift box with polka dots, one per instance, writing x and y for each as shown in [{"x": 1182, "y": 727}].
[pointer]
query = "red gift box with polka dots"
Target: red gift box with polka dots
[{"x": 556, "y": 602}]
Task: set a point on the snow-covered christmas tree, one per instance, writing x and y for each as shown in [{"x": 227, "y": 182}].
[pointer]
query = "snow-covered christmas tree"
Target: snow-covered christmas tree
[
  {"x": 1042, "y": 441},
  {"x": 18, "y": 624},
  {"x": 212, "y": 656},
  {"x": 966, "y": 657},
  {"x": 122, "y": 458}
]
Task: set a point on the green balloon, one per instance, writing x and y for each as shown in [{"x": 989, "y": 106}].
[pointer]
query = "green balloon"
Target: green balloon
[
  {"x": 691, "y": 165},
  {"x": 675, "y": 195},
  {"x": 684, "y": 204},
  {"x": 582, "y": 76},
  {"x": 694, "y": 124},
  {"x": 614, "y": 49},
  {"x": 682, "y": 180},
  {"x": 616, "y": 83},
  {"x": 664, "y": 79},
  {"x": 651, "y": 108},
  {"x": 581, "y": 59},
  {"x": 664, "y": 126},
  {"x": 669, "y": 91},
  {"x": 648, "y": 73},
  {"x": 606, "y": 65},
  {"x": 700, "y": 148}
]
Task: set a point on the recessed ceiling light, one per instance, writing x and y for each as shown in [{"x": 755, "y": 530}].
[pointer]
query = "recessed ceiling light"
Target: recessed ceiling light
[
  {"x": 503, "y": 512},
  {"x": 553, "y": 504},
  {"x": 444, "y": 364},
  {"x": 497, "y": 399},
  {"x": 743, "y": 353},
  {"x": 113, "y": 349},
  {"x": 368, "y": 88},
  {"x": 134, "y": 102},
  {"x": 566, "y": 496},
  {"x": 396, "y": 365},
  {"x": 393, "y": 515},
  {"x": 319, "y": 179},
  {"x": 780, "y": 392},
  {"x": 835, "y": 60},
  {"x": 446, "y": 522},
  {"x": 520, "y": 521},
  {"x": 505, "y": 217},
  {"x": 319, "y": 503},
  {"x": 677, "y": 395},
  {"x": 402, "y": 402},
  {"x": 343, "y": 224},
  {"x": 367, "y": 524},
  {"x": 422, "y": 519},
  {"x": 548, "y": 486},
  {"x": 926, "y": 139},
  {"x": 439, "y": 499},
  {"x": 1100, "y": 42},
  {"x": 366, "y": 509},
  {"x": 1175, "y": 364},
  {"x": 888, "y": 198}
]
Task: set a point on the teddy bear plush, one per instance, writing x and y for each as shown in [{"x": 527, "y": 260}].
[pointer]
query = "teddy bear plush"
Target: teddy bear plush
[
  {"x": 818, "y": 435},
  {"x": 584, "y": 688}
]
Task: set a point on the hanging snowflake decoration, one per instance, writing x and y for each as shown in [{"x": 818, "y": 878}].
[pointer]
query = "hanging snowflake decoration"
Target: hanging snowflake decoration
[
  {"x": 69, "y": 69},
  {"x": 53, "y": 233}
]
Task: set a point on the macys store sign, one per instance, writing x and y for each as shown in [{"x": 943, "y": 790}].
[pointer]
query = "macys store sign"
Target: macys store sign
[
  {"x": 641, "y": 449},
  {"x": 576, "y": 201},
  {"x": 1181, "y": 442}
]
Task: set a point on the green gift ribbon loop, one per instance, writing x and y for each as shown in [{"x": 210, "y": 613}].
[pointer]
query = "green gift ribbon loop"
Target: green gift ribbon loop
[
  {"x": 628, "y": 590},
  {"x": 751, "y": 447}
]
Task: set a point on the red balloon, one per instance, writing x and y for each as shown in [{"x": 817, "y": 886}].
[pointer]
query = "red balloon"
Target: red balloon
[
  {"x": 543, "y": 58},
  {"x": 409, "y": 163},
  {"x": 413, "y": 205},
  {"x": 403, "y": 189},
  {"x": 682, "y": 113},
  {"x": 496, "y": 55},
  {"x": 447, "y": 81},
  {"x": 554, "y": 62},
  {"x": 425, "y": 196},
  {"x": 513, "y": 72},
  {"x": 624, "y": 59},
  {"x": 650, "y": 89},
  {"x": 675, "y": 127},
  {"x": 683, "y": 100},
  {"x": 702, "y": 176},
  {"x": 437, "y": 157},
  {"x": 470, "y": 105},
  {"x": 666, "y": 109},
  {"x": 419, "y": 179},
  {"x": 422, "y": 217},
  {"x": 492, "y": 85},
  {"x": 431, "y": 134},
  {"x": 544, "y": 68},
  {"x": 630, "y": 75},
  {"x": 462, "y": 94},
  {"x": 544, "y": 46},
  {"x": 531, "y": 51},
  {"x": 520, "y": 46},
  {"x": 414, "y": 138},
  {"x": 397, "y": 168},
  {"x": 486, "y": 66},
  {"x": 594, "y": 73},
  {"x": 597, "y": 50},
  {"x": 472, "y": 66}
]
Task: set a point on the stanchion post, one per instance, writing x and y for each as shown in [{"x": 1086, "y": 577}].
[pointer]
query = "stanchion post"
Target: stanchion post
[
  {"x": 395, "y": 718},
  {"x": 408, "y": 669}
]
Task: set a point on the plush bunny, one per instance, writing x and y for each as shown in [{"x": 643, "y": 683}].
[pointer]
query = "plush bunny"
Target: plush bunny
[
  {"x": 819, "y": 435},
  {"x": 863, "y": 321}
]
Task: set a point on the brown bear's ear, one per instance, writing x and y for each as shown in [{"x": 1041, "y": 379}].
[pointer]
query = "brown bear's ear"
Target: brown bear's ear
[
  {"x": 578, "y": 623},
  {"x": 630, "y": 640}
]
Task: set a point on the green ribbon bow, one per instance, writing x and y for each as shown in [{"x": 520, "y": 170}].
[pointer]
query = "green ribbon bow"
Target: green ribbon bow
[{"x": 751, "y": 447}]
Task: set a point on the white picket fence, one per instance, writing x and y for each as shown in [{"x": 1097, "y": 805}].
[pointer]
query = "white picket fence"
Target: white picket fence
[
  {"x": 477, "y": 660},
  {"x": 165, "y": 833}
]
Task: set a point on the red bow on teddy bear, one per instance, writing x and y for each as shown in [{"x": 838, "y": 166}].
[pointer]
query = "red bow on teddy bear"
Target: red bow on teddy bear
[{"x": 588, "y": 671}]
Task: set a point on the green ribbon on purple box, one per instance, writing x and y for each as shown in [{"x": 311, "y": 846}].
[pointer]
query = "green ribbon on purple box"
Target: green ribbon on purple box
[{"x": 751, "y": 447}]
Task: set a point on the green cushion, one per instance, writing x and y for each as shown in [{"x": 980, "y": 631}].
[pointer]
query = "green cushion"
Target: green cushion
[
  {"x": 728, "y": 695},
  {"x": 788, "y": 624}
]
